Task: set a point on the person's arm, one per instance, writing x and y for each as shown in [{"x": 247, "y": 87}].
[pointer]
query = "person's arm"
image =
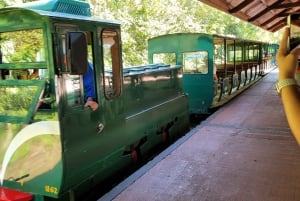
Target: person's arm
[
  {"x": 89, "y": 89},
  {"x": 91, "y": 104},
  {"x": 290, "y": 95}
]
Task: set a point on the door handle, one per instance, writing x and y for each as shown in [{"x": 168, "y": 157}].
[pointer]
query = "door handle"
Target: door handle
[{"x": 100, "y": 128}]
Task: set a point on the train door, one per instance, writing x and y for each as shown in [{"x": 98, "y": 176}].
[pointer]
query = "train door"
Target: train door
[
  {"x": 84, "y": 129},
  {"x": 198, "y": 72}
]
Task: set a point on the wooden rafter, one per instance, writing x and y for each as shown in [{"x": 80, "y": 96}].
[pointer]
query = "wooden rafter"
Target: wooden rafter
[
  {"x": 240, "y": 6},
  {"x": 269, "y": 14}
]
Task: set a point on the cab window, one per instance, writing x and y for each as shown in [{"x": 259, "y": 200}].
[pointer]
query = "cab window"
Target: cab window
[
  {"x": 195, "y": 62},
  {"x": 20, "y": 58},
  {"x": 74, "y": 84},
  {"x": 166, "y": 58},
  {"x": 112, "y": 76}
]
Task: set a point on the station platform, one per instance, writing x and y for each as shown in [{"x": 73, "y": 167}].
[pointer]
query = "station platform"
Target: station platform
[{"x": 243, "y": 152}]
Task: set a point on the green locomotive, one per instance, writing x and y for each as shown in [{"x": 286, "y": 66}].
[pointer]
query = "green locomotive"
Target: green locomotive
[{"x": 52, "y": 147}]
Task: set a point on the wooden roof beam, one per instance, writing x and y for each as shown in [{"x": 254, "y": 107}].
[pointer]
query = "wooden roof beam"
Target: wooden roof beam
[
  {"x": 287, "y": 5},
  {"x": 277, "y": 26},
  {"x": 282, "y": 13},
  {"x": 239, "y": 7},
  {"x": 263, "y": 12}
]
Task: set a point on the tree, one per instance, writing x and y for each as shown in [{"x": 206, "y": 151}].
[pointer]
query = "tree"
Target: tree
[
  {"x": 144, "y": 19},
  {"x": 3, "y": 3}
]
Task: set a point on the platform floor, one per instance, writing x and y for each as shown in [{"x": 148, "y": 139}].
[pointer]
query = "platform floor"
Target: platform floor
[{"x": 243, "y": 152}]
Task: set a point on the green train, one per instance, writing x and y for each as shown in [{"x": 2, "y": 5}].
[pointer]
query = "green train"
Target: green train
[
  {"x": 52, "y": 146},
  {"x": 71, "y": 117},
  {"x": 215, "y": 68}
]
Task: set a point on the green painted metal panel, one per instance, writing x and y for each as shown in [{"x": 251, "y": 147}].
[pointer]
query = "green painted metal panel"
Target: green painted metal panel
[
  {"x": 145, "y": 87},
  {"x": 30, "y": 149},
  {"x": 199, "y": 87}
]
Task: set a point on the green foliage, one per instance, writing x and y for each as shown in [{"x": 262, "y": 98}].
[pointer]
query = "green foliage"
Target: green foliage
[
  {"x": 25, "y": 50},
  {"x": 15, "y": 49},
  {"x": 4, "y": 3},
  {"x": 143, "y": 19},
  {"x": 15, "y": 102}
]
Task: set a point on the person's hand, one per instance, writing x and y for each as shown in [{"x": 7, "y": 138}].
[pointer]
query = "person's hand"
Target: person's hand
[
  {"x": 287, "y": 61},
  {"x": 91, "y": 104}
]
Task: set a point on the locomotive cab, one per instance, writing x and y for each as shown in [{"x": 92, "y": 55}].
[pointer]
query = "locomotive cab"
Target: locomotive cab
[{"x": 44, "y": 55}]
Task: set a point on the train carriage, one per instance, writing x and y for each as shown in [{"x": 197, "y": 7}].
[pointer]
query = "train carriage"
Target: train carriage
[
  {"x": 215, "y": 68},
  {"x": 51, "y": 146}
]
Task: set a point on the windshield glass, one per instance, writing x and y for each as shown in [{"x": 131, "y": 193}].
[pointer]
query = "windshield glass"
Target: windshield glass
[
  {"x": 23, "y": 72},
  {"x": 22, "y": 46},
  {"x": 19, "y": 99},
  {"x": 16, "y": 100},
  {"x": 22, "y": 55}
]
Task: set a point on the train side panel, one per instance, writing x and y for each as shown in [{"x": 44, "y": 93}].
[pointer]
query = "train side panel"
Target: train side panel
[
  {"x": 195, "y": 52},
  {"x": 155, "y": 103}
]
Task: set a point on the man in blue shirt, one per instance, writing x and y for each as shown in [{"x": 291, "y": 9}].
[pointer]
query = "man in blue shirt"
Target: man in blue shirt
[{"x": 89, "y": 88}]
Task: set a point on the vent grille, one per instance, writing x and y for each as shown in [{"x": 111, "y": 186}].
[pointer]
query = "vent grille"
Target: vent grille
[{"x": 73, "y": 7}]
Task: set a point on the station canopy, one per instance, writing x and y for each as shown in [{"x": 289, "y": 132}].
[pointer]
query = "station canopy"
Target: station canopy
[{"x": 270, "y": 15}]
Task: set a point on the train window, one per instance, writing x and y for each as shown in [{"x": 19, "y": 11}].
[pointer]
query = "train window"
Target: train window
[
  {"x": 166, "y": 58},
  {"x": 76, "y": 93},
  {"x": 14, "y": 49},
  {"x": 219, "y": 52},
  {"x": 195, "y": 62},
  {"x": 238, "y": 53},
  {"x": 77, "y": 52},
  {"x": 252, "y": 52},
  {"x": 73, "y": 89},
  {"x": 230, "y": 52},
  {"x": 19, "y": 98},
  {"x": 61, "y": 54},
  {"x": 22, "y": 55},
  {"x": 256, "y": 52},
  {"x": 112, "y": 63}
]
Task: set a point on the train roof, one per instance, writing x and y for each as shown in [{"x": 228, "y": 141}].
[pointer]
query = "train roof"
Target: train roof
[
  {"x": 270, "y": 15},
  {"x": 68, "y": 9},
  {"x": 213, "y": 36},
  {"x": 221, "y": 37}
]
